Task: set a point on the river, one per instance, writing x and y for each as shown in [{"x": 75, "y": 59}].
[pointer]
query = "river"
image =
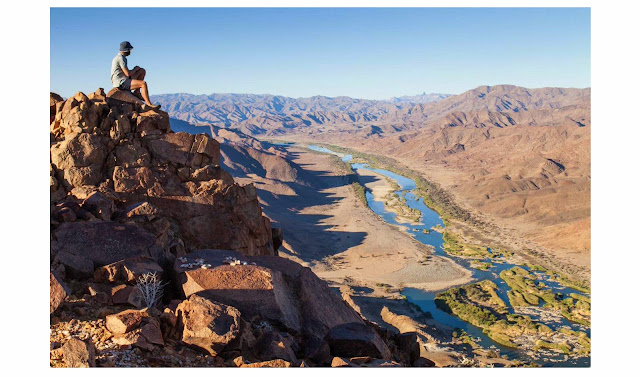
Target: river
[{"x": 429, "y": 219}]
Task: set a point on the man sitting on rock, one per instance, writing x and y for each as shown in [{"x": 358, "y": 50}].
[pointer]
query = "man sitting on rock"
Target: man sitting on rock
[{"x": 124, "y": 79}]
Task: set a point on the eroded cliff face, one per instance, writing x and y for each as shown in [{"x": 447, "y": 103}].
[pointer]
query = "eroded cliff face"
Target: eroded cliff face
[{"x": 114, "y": 162}]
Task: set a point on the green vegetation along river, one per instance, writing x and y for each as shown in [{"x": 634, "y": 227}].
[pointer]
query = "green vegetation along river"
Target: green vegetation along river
[{"x": 522, "y": 312}]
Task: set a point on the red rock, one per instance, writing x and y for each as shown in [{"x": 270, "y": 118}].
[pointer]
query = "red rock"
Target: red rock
[
  {"x": 132, "y": 155},
  {"x": 78, "y": 354},
  {"x": 274, "y": 288},
  {"x": 138, "y": 180},
  {"x": 151, "y": 332},
  {"x": 268, "y": 364},
  {"x": 274, "y": 345},
  {"x": 100, "y": 205},
  {"x": 124, "y": 321},
  {"x": 124, "y": 96},
  {"x": 239, "y": 361},
  {"x": 254, "y": 290},
  {"x": 54, "y": 99},
  {"x": 58, "y": 292},
  {"x": 126, "y": 271},
  {"x": 105, "y": 242},
  {"x": 357, "y": 340},
  {"x": 208, "y": 325},
  {"x": 82, "y": 176},
  {"x": 360, "y": 360},
  {"x": 79, "y": 150},
  {"x": 142, "y": 209},
  {"x": 339, "y": 362},
  {"x": 173, "y": 147},
  {"x": 204, "y": 144},
  {"x": 153, "y": 120},
  {"x": 127, "y": 294},
  {"x": 80, "y": 114}
]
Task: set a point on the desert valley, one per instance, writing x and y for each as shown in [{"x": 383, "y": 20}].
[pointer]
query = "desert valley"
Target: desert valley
[{"x": 428, "y": 230}]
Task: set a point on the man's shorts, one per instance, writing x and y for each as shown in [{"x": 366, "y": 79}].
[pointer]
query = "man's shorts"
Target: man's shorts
[{"x": 126, "y": 84}]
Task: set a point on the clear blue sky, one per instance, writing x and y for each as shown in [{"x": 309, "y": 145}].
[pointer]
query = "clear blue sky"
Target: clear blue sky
[{"x": 300, "y": 52}]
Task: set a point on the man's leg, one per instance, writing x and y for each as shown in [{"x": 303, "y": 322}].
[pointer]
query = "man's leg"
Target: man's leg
[
  {"x": 142, "y": 85},
  {"x": 137, "y": 73}
]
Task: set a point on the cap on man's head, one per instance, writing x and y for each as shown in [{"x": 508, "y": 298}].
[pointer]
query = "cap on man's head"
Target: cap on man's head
[{"x": 125, "y": 46}]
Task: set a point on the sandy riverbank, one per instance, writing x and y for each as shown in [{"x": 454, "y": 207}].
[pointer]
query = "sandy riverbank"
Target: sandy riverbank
[{"x": 328, "y": 229}]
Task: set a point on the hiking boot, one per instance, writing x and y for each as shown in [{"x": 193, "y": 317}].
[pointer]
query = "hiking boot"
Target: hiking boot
[{"x": 150, "y": 107}]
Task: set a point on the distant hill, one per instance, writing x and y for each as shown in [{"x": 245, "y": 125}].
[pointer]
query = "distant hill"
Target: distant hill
[
  {"x": 420, "y": 98},
  {"x": 269, "y": 115}
]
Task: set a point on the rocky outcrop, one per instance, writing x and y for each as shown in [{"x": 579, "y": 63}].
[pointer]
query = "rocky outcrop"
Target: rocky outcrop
[
  {"x": 130, "y": 199},
  {"x": 272, "y": 288},
  {"x": 107, "y": 153}
]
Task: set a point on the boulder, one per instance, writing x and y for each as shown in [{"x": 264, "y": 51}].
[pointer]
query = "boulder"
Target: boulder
[
  {"x": 124, "y": 321},
  {"x": 100, "y": 205},
  {"x": 77, "y": 353},
  {"x": 127, "y": 270},
  {"x": 173, "y": 147},
  {"x": 208, "y": 325},
  {"x": 152, "y": 121},
  {"x": 77, "y": 176},
  {"x": 54, "y": 99},
  {"x": 338, "y": 362},
  {"x": 127, "y": 294},
  {"x": 144, "y": 210},
  {"x": 146, "y": 336},
  {"x": 134, "y": 180},
  {"x": 85, "y": 246},
  {"x": 80, "y": 114},
  {"x": 205, "y": 145},
  {"x": 116, "y": 94},
  {"x": 356, "y": 340},
  {"x": 254, "y": 289},
  {"x": 132, "y": 155},
  {"x": 58, "y": 292},
  {"x": 79, "y": 150},
  {"x": 274, "y": 345},
  {"x": 184, "y": 149}
]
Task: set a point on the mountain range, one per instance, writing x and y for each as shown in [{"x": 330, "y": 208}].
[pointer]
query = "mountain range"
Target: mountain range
[{"x": 517, "y": 155}]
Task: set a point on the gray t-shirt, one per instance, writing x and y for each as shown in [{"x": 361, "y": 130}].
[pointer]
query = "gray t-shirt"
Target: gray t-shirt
[{"x": 117, "y": 73}]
